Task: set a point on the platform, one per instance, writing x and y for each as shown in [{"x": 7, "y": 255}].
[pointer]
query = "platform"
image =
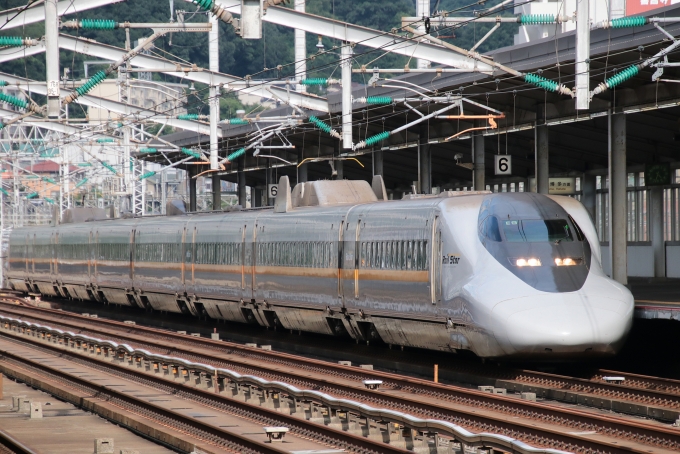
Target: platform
[{"x": 656, "y": 298}]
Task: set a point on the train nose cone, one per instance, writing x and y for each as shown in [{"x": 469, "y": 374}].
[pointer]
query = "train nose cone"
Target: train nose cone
[{"x": 568, "y": 324}]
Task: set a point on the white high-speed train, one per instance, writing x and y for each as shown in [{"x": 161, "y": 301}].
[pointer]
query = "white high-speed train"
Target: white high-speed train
[{"x": 501, "y": 275}]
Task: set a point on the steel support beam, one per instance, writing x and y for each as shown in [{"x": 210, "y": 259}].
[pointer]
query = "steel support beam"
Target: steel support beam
[
  {"x": 617, "y": 198},
  {"x": 192, "y": 189},
  {"x": 113, "y": 106},
  {"x": 300, "y": 50},
  {"x": 10, "y": 19},
  {"x": 368, "y": 37},
  {"x": 346, "y": 65},
  {"x": 242, "y": 196},
  {"x": 13, "y": 53},
  {"x": 583, "y": 54},
  {"x": 422, "y": 10},
  {"x": 106, "y": 52},
  {"x": 52, "y": 58}
]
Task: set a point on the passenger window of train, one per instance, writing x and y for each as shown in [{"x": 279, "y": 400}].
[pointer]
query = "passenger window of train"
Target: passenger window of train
[
  {"x": 512, "y": 231},
  {"x": 550, "y": 230},
  {"x": 491, "y": 230},
  {"x": 579, "y": 234}
]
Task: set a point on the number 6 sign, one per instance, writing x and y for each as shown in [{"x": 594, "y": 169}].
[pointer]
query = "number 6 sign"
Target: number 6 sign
[{"x": 503, "y": 164}]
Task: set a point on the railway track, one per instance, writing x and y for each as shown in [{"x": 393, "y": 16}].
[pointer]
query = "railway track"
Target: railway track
[
  {"x": 10, "y": 445},
  {"x": 567, "y": 429},
  {"x": 14, "y": 362}
]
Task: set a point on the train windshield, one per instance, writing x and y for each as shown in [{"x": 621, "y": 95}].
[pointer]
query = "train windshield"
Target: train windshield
[{"x": 536, "y": 230}]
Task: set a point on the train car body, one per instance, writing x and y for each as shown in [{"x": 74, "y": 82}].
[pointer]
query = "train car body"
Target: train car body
[{"x": 501, "y": 275}]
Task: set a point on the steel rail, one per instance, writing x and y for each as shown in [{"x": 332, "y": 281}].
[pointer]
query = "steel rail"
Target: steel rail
[
  {"x": 275, "y": 388},
  {"x": 643, "y": 391},
  {"x": 615, "y": 427},
  {"x": 318, "y": 430},
  {"x": 14, "y": 445}
]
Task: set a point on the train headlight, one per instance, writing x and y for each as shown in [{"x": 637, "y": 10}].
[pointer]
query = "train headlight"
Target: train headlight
[
  {"x": 569, "y": 261},
  {"x": 527, "y": 262}
]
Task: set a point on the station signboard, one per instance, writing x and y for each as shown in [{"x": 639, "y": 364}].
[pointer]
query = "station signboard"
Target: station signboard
[
  {"x": 634, "y": 7},
  {"x": 557, "y": 186}
]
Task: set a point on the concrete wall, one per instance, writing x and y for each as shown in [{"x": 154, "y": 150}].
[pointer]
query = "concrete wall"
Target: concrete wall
[
  {"x": 641, "y": 260},
  {"x": 673, "y": 259}
]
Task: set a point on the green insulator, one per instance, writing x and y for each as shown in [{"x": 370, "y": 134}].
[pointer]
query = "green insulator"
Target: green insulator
[
  {"x": 105, "y": 140},
  {"x": 98, "y": 24},
  {"x": 379, "y": 100},
  {"x": 146, "y": 175},
  {"x": 192, "y": 153},
  {"x": 205, "y": 4},
  {"x": 542, "y": 82},
  {"x": 148, "y": 150},
  {"x": 631, "y": 21},
  {"x": 622, "y": 76},
  {"x": 3, "y": 83},
  {"x": 237, "y": 121},
  {"x": 49, "y": 180},
  {"x": 314, "y": 81},
  {"x": 109, "y": 166},
  {"x": 14, "y": 41},
  {"x": 14, "y": 101},
  {"x": 237, "y": 154},
  {"x": 91, "y": 83},
  {"x": 4, "y": 191},
  {"x": 32, "y": 195},
  {"x": 48, "y": 200},
  {"x": 81, "y": 182},
  {"x": 187, "y": 117},
  {"x": 84, "y": 164},
  {"x": 377, "y": 138},
  {"x": 536, "y": 19},
  {"x": 2, "y": 125},
  {"x": 320, "y": 124}
]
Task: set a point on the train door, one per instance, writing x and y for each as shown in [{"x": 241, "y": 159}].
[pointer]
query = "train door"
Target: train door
[
  {"x": 248, "y": 262},
  {"x": 350, "y": 259},
  {"x": 253, "y": 255},
  {"x": 341, "y": 243},
  {"x": 190, "y": 281},
  {"x": 436, "y": 262},
  {"x": 95, "y": 255},
  {"x": 33, "y": 247}
]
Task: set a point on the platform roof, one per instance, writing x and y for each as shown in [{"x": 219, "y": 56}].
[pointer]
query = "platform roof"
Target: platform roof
[{"x": 578, "y": 141}]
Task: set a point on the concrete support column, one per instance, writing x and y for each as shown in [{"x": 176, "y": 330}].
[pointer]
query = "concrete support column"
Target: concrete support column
[
  {"x": 256, "y": 197},
  {"x": 242, "y": 198},
  {"x": 424, "y": 166},
  {"x": 479, "y": 170},
  {"x": 617, "y": 197},
  {"x": 378, "y": 163},
  {"x": 192, "y": 190},
  {"x": 216, "y": 192},
  {"x": 340, "y": 170},
  {"x": 542, "y": 155},
  {"x": 588, "y": 186},
  {"x": 302, "y": 173},
  {"x": 656, "y": 230}
]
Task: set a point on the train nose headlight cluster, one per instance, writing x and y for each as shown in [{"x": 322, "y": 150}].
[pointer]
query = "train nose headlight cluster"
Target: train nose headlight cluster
[
  {"x": 526, "y": 262},
  {"x": 569, "y": 261}
]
